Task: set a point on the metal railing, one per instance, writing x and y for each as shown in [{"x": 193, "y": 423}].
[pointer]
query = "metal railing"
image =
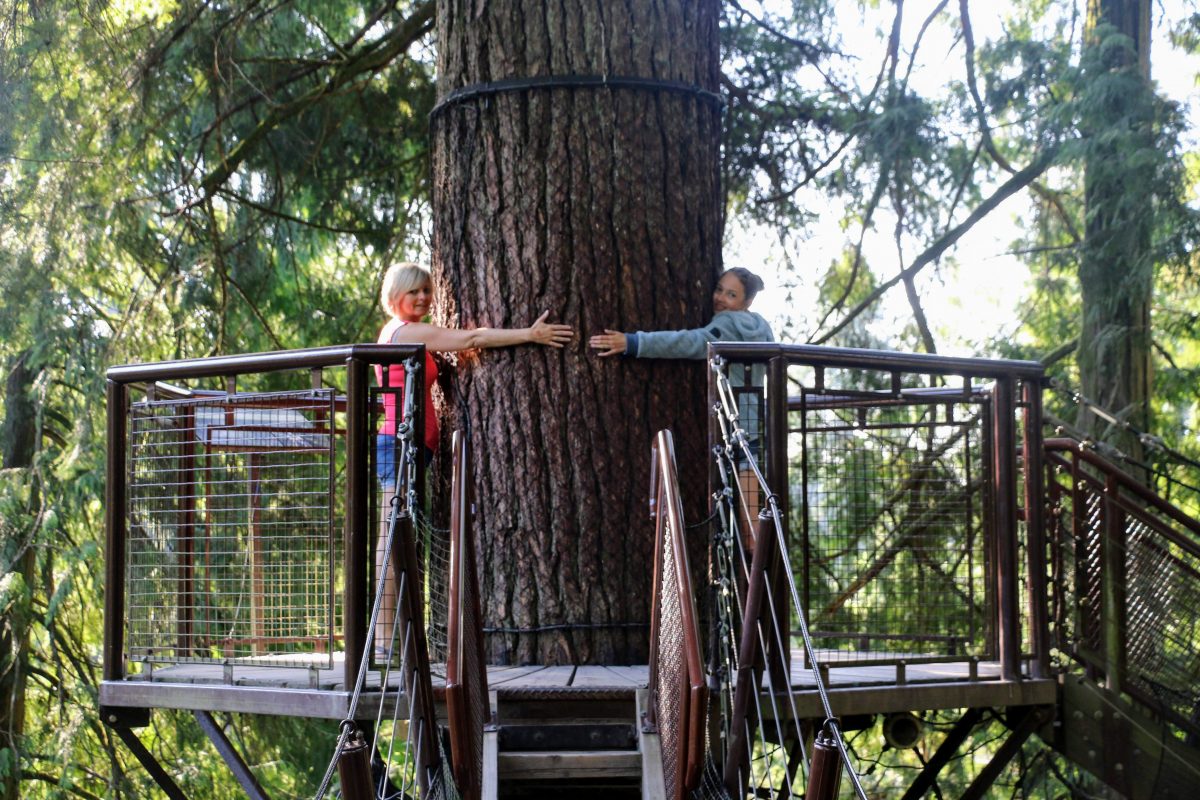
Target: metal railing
[
  {"x": 1126, "y": 582},
  {"x": 908, "y": 542},
  {"x": 679, "y": 693},
  {"x": 239, "y": 524},
  {"x": 466, "y": 671}
]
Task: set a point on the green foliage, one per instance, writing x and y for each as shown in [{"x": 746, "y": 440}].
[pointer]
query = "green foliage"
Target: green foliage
[
  {"x": 111, "y": 252},
  {"x": 182, "y": 179}
]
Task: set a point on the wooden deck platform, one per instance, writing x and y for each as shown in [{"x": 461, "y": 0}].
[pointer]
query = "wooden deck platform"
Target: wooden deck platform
[{"x": 321, "y": 692}]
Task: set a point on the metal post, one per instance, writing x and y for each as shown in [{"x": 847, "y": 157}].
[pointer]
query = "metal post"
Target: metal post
[
  {"x": 825, "y": 774},
  {"x": 357, "y": 533},
  {"x": 229, "y": 754},
  {"x": 160, "y": 776},
  {"x": 945, "y": 752},
  {"x": 114, "y": 523},
  {"x": 1113, "y": 588},
  {"x": 777, "y": 483},
  {"x": 1031, "y": 720},
  {"x": 1004, "y": 478},
  {"x": 1035, "y": 529}
]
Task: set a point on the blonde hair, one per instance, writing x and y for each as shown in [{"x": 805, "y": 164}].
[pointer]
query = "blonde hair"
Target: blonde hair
[{"x": 400, "y": 278}]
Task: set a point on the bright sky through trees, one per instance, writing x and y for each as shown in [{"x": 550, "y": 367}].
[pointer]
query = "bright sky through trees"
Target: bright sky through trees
[{"x": 973, "y": 295}]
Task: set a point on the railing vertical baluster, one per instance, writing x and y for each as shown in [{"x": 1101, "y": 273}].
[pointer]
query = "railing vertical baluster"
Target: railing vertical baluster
[
  {"x": 777, "y": 482},
  {"x": 357, "y": 533},
  {"x": 1035, "y": 528},
  {"x": 186, "y": 489},
  {"x": 1113, "y": 587},
  {"x": 1005, "y": 499},
  {"x": 114, "y": 523}
]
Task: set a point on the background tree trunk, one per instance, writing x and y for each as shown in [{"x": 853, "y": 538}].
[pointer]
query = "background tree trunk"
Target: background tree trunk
[
  {"x": 18, "y": 444},
  {"x": 602, "y": 206},
  {"x": 1116, "y": 272}
]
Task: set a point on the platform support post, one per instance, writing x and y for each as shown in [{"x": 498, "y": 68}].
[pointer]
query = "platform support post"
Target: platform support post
[
  {"x": 232, "y": 758},
  {"x": 114, "y": 523},
  {"x": 1004, "y": 496},
  {"x": 122, "y": 721},
  {"x": 1035, "y": 528},
  {"x": 357, "y": 532}
]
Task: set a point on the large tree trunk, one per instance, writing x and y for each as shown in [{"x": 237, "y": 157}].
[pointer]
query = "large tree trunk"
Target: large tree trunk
[
  {"x": 601, "y": 205},
  {"x": 1116, "y": 271},
  {"x": 18, "y": 444}
]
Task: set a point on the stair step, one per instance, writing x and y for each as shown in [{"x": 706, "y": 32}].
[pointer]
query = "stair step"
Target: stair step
[
  {"x": 589, "y": 736},
  {"x": 574, "y": 764}
]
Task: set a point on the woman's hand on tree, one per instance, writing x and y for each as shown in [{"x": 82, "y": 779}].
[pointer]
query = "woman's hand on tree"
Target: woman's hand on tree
[
  {"x": 550, "y": 333},
  {"x": 609, "y": 343}
]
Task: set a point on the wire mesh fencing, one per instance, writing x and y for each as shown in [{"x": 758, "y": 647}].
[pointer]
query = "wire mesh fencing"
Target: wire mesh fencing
[
  {"x": 890, "y": 542},
  {"x": 678, "y": 691},
  {"x": 232, "y": 541},
  {"x": 1133, "y": 562}
]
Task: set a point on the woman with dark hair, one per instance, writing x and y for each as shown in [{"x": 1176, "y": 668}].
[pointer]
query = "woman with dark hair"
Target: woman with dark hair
[{"x": 732, "y": 321}]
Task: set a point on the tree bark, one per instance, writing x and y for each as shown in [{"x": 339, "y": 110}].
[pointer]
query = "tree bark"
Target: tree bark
[
  {"x": 17, "y": 447},
  {"x": 1116, "y": 271},
  {"x": 601, "y": 205}
]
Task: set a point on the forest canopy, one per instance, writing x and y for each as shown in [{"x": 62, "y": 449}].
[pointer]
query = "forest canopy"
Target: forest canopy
[{"x": 185, "y": 178}]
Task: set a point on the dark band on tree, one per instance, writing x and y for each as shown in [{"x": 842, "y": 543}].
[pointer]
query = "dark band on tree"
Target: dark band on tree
[{"x": 465, "y": 93}]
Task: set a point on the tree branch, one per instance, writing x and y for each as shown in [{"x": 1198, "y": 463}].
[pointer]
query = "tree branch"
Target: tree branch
[
  {"x": 397, "y": 41},
  {"x": 985, "y": 131},
  {"x": 273, "y": 212},
  {"x": 1010, "y": 187}
]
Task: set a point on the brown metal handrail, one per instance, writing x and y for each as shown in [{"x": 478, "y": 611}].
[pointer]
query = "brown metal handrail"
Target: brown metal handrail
[
  {"x": 1014, "y": 393},
  {"x": 359, "y": 403},
  {"x": 885, "y": 360},
  {"x": 679, "y": 694},
  {"x": 1136, "y": 562},
  {"x": 273, "y": 361},
  {"x": 466, "y": 672}
]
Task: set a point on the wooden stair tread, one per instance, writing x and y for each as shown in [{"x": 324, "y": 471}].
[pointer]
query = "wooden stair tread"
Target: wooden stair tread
[{"x": 549, "y": 765}]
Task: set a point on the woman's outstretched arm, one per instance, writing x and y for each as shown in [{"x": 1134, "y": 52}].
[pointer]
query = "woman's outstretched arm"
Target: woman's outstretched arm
[{"x": 447, "y": 340}]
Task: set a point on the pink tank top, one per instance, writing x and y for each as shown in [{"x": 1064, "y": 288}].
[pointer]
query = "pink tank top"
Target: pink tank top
[{"x": 396, "y": 379}]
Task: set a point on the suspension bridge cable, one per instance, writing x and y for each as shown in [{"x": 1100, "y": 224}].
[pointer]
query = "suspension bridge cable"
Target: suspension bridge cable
[
  {"x": 724, "y": 463},
  {"x": 729, "y": 407},
  {"x": 1148, "y": 440},
  {"x": 404, "y": 435}
]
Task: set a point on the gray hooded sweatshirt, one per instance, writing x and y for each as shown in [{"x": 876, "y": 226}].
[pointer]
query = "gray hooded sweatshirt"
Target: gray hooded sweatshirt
[{"x": 726, "y": 326}]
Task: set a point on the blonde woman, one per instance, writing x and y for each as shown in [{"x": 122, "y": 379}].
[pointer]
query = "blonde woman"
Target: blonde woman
[{"x": 406, "y": 297}]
